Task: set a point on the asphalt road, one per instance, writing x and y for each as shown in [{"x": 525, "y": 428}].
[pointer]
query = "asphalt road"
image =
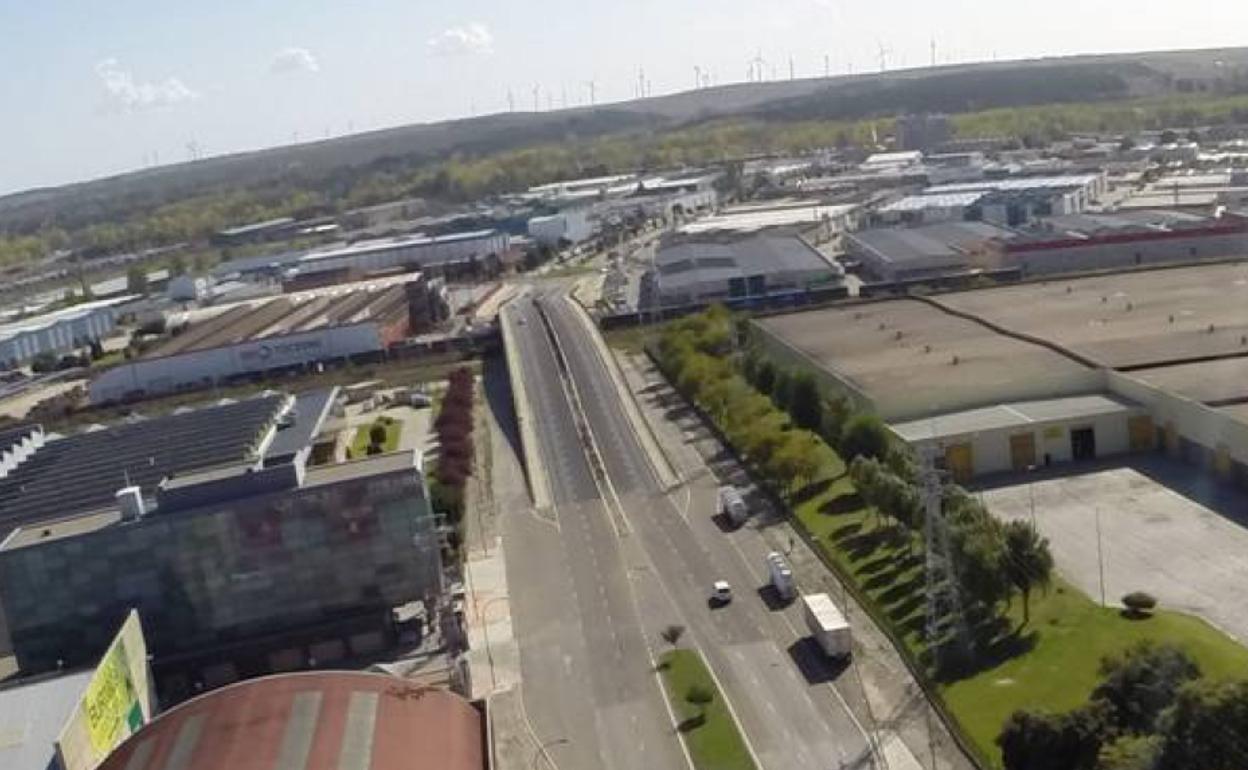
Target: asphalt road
[
  {"x": 776, "y": 682},
  {"x": 589, "y": 687}
]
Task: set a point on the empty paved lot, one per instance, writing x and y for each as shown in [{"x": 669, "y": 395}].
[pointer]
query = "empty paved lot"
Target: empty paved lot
[{"x": 1170, "y": 540}]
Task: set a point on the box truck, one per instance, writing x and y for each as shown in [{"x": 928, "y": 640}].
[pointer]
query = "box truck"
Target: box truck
[
  {"x": 828, "y": 625},
  {"x": 781, "y": 577},
  {"x": 732, "y": 505}
]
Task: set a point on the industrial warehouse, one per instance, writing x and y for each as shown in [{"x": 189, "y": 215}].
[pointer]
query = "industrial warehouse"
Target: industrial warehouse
[
  {"x": 60, "y": 331},
  {"x": 241, "y": 557},
  {"x": 296, "y": 330},
  {"x": 1041, "y": 373}
]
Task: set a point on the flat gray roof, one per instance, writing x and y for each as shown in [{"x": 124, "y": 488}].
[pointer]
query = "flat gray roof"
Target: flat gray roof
[
  {"x": 310, "y": 409},
  {"x": 1205, "y": 381},
  {"x": 943, "y": 239},
  {"x": 1018, "y": 414},
  {"x": 694, "y": 261},
  {"x": 1126, "y": 319},
  {"x": 31, "y": 717}
]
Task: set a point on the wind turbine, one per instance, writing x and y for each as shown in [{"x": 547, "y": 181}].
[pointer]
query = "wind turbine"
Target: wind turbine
[
  {"x": 884, "y": 52},
  {"x": 759, "y": 62},
  {"x": 697, "y": 76},
  {"x": 590, "y": 83},
  {"x": 537, "y": 105}
]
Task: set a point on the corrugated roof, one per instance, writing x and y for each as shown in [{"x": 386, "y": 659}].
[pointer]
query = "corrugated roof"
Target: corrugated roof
[
  {"x": 696, "y": 261},
  {"x": 347, "y": 720}
]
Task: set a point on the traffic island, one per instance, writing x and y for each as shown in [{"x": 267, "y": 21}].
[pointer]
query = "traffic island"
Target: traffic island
[{"x": 704, "y": 721}]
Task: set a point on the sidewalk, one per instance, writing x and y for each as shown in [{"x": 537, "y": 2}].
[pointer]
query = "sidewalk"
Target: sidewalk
[{"x": 892, "y": 699}]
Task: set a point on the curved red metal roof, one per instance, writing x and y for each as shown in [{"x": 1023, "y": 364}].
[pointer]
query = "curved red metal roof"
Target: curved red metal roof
[{"x": 312, "y": 721}]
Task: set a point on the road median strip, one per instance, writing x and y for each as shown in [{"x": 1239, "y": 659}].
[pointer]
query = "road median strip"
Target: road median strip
[{"x": 706, "y": 725}]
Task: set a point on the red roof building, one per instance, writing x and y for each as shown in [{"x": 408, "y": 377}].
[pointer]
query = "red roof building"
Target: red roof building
[{"x": 312, "y": 721}]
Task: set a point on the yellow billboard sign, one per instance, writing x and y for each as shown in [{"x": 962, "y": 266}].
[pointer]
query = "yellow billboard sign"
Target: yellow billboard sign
[{"x": 116, "y": 704}]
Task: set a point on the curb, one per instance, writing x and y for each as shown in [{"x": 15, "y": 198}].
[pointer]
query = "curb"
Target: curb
[{"x": 539, "y": 485}]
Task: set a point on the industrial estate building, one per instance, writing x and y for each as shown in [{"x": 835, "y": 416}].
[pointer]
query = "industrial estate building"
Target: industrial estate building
[
  {"x": 259, "y": 564},
  {"x": 747, "y": 268},
  {"x": 57, "y": 332},
  {"x": 1019, "y": 376},
  {"x": 296, "y": 330},
  {"x": 1053, "y": 245}
]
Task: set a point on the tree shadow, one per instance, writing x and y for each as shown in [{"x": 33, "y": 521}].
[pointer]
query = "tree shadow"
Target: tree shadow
[
  {"x": 846, "y": 530},
  {"x": 810, "y": 491},
  {"x": 1134, "y": 615},
  {"x": 899, "y": 591},
  {"x": 691, "y": 723},
  {"x": 845, "y": 502},
  {"x": 877, "y": 565}
]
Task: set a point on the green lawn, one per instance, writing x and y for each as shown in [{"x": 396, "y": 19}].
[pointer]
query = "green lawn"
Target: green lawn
[
  {"x": 1072, "y": 635},
  {"x": 1068, "y": 633},
  {"x": 359, "y": 444},
  {"x": 715, "y": 744}
]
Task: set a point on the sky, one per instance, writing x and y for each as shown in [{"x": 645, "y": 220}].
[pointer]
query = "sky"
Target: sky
[{"x": 91, "y": 88}]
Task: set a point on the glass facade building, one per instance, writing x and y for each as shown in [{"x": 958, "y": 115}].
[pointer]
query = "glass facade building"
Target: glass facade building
[{"x": 350, "y": 540}]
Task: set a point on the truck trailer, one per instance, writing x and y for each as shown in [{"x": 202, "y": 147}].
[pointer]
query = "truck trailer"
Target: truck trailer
[
  {"x": 828, "y": 625},
  {"x": 732, "y": 505},
  {"x": 781, "y": 577}
]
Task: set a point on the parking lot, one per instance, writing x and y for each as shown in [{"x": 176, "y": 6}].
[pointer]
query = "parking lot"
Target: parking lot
[{"x": 1164, "y": 528}]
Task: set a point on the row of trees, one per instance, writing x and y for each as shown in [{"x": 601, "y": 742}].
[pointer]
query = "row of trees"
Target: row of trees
[
  {"x": 1152, "y": 710},
  {"x": 454, "y": 427},
  {"x": 782, "y": 423}
]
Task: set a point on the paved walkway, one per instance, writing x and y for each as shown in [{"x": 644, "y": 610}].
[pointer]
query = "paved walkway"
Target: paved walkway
[{"x": 889, "y": 696}]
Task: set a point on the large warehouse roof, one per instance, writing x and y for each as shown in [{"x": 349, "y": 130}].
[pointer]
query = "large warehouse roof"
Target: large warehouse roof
[
  {"x": 1127, "y": 319},
  {"x": 694, "y": 262},
  {"x": 85, "y": 471},
  {"x": 347, "y": 720},
  {"x": 910, "y": 358},
  {"x": 751, "y": 220},
  {"x": 1018, "y": 184},
  {"x": 943, "y": 239}
]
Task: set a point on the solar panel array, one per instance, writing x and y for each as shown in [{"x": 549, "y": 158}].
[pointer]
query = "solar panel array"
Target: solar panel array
[{"x": 83, "y": 472}]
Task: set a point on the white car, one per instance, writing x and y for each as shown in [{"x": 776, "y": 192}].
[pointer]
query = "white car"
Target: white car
[{"x": 721, "y": 592}]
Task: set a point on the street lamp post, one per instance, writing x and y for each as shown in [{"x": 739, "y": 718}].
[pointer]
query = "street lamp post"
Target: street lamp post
[{"x": 542, "y": 751}]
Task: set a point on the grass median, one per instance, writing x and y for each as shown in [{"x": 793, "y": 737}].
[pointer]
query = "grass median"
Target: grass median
[{"x": 713, "y": 739}]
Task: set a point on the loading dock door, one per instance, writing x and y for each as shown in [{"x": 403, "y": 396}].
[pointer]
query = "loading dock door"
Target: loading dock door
[
  {"x": 960, "y": 462},
  {"x": 1022, "y": 451},
  {"x": 1140, "y": 432},
  {"x": 1082, "y": 444}
]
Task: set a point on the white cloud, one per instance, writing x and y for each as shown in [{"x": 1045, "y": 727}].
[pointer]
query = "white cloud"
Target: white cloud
[
  {"x": 294, "y": 59},
  {"x": 125, "y": 93},
  {"x": 473, "y": 38}
]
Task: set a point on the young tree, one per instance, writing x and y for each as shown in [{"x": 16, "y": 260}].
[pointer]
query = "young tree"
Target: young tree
[
  {"x": 864, "y": 436},
  {"x": 700, "y": 696},
  {"x": 1028, "y": 561},
  {"x": 672, "y": 633},
  {"x": 807, "y": 404},
  {"x": 765, "y": 377},
  {"x": 136, "y": 280}
]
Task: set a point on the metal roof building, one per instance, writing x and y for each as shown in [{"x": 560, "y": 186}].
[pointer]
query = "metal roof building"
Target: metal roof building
[
  {"x": 347, "y": 720},
  {"x": 894, "y": 254},
  {"x": 705, "y": 271}
]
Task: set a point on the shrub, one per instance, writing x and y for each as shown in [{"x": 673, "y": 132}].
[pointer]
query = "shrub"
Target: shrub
[
  {"x": 1139, "y": 602},
  {"x": 699, "y": 695}
]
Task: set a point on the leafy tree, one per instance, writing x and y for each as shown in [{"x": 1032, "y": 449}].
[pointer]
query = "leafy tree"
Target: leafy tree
[
  {"x": 1130, "y": 752},
  {"x": 782, "y": 390},
  {"x": 1206, "y": 727},
  {"x": 1140, "y": 683},
  {"x": 980, "y": 561},
  {"x": 136, "y": 280},
  {"x": 1028, "y": 561},
  {"x": 835, "y": 413},
  {"x": 865, "y": 436},
  {"x": 1169, "y": 137},
  {"x": 1034, "y": 740},
  {"x": 807, "y": 404},
  {"x": 672, "y": 633},
  {"x": 765, "y": 377}
]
